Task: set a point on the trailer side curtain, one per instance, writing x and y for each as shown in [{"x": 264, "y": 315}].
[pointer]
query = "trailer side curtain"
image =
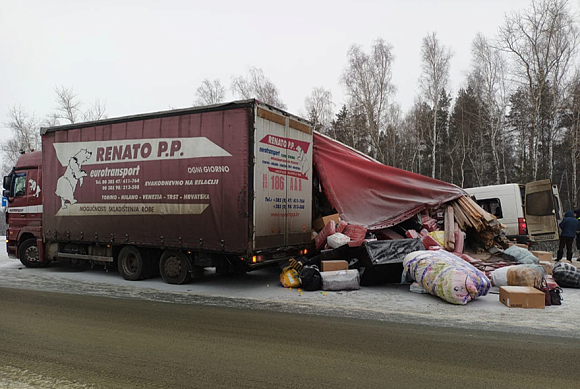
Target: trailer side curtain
[{"x": 366, "y": 192}]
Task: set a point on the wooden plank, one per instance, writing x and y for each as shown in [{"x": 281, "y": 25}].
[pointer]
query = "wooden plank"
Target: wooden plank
[
  {"x": 449, "y": 225},
  {"x": 300, "y": 126},
  {"x": 460, "y": 217},
  {"x": 271, "y": 116}
]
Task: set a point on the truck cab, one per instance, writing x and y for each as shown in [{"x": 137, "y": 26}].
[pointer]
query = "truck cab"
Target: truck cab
[{"x": 23, "y": 189}]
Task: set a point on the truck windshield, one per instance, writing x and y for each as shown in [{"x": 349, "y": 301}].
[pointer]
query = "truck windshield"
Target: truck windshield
[{"x": 19, "y": 185}]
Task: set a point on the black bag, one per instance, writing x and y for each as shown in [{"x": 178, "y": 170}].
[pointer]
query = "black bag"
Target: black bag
[
  {"x": 310, "y": 278},
  {"x": 555, "y": 296}
]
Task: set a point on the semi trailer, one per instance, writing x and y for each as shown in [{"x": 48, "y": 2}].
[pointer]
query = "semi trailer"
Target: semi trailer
[{"x": 226, "y": 186}]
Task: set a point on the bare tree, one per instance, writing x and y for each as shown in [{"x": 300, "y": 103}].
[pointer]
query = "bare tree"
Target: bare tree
[
  {"x": 543, "y": 42},
  {"x": 95, "y": 112},
  {"x": 25, "y": 130},
  {"x": 69, "y": 107},
  {"x": 210, "y": 92},
  {"x": 367, "y": 78},
  {"x": 319, "y": 108},
  {"x": 489, "y": 80},
  {"x": 257, "y": 85},
  {"x": 67, "y": 104},
  {"x": 435, "y": 77}
]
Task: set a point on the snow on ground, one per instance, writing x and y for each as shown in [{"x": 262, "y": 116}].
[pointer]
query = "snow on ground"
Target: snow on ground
[{"x": 261, "y": 290}]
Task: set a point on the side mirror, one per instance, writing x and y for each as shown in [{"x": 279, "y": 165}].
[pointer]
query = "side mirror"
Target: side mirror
[
  {"x": 7, "y": 181},
  {"x": 6, "y": 193}
]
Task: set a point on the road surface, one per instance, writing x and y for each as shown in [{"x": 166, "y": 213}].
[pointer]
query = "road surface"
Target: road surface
[{"x": 53, "y": 340}]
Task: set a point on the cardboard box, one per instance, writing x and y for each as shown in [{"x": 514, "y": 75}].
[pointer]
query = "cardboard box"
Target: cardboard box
[
  {"x": 522, "y": 297},
  {"x": 333, "y": 265},
  {"x": 319, "y": 224},
  {"x": 524, "y": 246},
  {"x": 543, "y": 255}
]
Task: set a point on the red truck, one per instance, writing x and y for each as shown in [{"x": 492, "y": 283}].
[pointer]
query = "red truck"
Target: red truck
[{"x": 226, "y": 186}]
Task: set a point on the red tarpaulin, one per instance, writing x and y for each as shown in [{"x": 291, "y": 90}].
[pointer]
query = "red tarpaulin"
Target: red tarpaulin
[{"x": 366, "y": 192}]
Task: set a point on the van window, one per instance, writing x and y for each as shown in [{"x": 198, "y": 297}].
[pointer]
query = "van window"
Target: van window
[
  {"x": 492, "y": 206},
  {"x": 19, "y": 185},
  {"x": 539, "y": 204}
]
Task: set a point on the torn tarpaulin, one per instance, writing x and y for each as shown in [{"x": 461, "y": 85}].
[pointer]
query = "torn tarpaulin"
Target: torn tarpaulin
[{"x": 366, "y": 192}]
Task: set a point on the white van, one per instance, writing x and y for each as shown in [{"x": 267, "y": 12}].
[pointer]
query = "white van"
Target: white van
[{"x": 528, "y": 211}]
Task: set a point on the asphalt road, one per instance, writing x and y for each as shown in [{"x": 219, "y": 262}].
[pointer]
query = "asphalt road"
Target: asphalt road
[{"x": 54, "y": 340}]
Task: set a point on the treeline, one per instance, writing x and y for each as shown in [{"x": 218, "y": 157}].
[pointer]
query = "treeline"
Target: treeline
[{"x": 516, "y": 118}]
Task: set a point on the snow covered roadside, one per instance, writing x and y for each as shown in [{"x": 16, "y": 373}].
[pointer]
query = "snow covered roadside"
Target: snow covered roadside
[{"x": 261, "y": 290}]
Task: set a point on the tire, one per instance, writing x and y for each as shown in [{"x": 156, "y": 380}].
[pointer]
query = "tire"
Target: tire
[
  {"x": 28, "y": 254},
  {"x": 174, "y": 267},
  {"x": 131, "y": 264}
]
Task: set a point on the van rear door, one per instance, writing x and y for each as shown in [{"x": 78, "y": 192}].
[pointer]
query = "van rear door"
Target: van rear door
[{"x": 540, "y": 211}]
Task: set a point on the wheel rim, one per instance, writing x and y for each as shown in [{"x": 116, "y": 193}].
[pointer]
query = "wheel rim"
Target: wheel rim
[
  {"x": 31, "y": 254},
  {"x": 130, "y": 264},
  {"x": 173, "y": 267}
]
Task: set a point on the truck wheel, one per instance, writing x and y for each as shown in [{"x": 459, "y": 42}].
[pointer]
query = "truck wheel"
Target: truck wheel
[
  {"x": 174, "y": 267},
  {"x": 28, "y": 254},
  {"x": 130, "y": 263}
]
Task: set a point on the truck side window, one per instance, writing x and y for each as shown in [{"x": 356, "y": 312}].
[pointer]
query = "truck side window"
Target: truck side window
[{"x": 19, "y": 185}]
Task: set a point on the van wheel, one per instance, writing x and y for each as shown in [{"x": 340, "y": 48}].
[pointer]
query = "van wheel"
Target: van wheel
[
  {"x": 174, "y": 267},
  {"x": 28, "y": 254},
  {"x": 130, "y": 263}
]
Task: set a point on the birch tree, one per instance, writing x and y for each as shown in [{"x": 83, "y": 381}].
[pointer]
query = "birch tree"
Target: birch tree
[
  {"x": 319, "y": 108},
  {"x": 257, "y": 85},
  {"x": 574, "y": 114},
  {"x": 367, "y": 79},
  {"x": 542, "y": 41},
  {"x": 489, "y": 75},
  {"x": 434, "y": 79},
  {"x": 210, "y": 92}
]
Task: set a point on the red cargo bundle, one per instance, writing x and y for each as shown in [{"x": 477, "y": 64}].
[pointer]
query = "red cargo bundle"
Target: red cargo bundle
[
  {"x": 429, "y": 223},
  {"x": 459, "y": 242},
  {"x": 412, "y": 234},
  {"x": 329, "y": 229},
  {"x": 341, "y": 226},
  {"x": 355, "y": 232}
]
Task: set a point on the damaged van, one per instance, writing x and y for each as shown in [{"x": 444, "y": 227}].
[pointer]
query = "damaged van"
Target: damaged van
[{"x": 530, "y": 212}]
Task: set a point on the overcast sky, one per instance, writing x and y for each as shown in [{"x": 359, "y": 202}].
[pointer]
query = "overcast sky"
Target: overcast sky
[{"x": 144, "y": 56}]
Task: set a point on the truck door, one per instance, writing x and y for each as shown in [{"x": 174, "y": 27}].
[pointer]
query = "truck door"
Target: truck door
[
  {"x": 541, "y": 210},
  {"x": 18, "y": 204},
  {"x": 282, "y": 180}
]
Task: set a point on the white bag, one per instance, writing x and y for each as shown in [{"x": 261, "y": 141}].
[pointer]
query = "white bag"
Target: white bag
[
  {"x": 336, "y": 240},
  {"x": 499, "y": 276},
  {"x": 340, "y": 280}
]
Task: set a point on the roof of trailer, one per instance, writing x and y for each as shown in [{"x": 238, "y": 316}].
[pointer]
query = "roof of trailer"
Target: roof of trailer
[{"x": 168, "y": 113}]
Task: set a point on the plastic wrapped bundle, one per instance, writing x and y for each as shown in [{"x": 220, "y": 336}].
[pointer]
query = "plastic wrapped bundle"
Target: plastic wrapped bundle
[
  {"x": 520, "y": 255},
  {"x": 518, "y": 275},
  {"x": 340, "y": 280},
  {"x": 566, "y": 275},
  {"x": 337, "y": 240},
  {"x": 446, "y": 276}
]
